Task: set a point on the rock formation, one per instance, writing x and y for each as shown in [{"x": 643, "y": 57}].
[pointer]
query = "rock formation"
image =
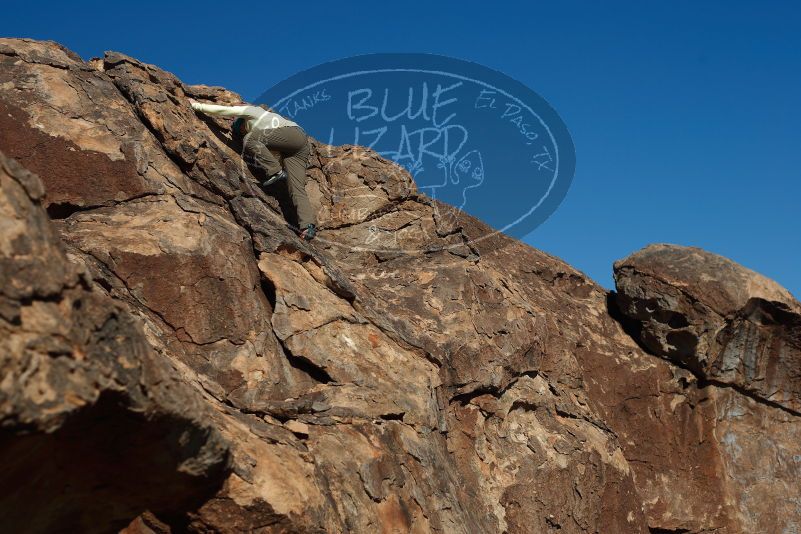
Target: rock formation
[{"x": 175, "y": 359}]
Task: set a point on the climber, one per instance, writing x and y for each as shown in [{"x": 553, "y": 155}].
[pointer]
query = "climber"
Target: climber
[{"x": 262, "y": 130}]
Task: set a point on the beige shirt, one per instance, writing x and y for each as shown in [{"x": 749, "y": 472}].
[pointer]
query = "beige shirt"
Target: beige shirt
[{"x": 256, "y": 118}]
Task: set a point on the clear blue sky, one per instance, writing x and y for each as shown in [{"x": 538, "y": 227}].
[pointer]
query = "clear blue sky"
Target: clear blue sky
[{"x": 686, "y": 115}]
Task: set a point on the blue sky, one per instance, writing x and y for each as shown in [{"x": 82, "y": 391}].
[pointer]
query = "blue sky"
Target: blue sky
[{"x": 686, "y": 116}]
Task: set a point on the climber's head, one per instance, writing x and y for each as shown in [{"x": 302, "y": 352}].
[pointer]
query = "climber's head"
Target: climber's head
[{"x": 238, "y": 127}]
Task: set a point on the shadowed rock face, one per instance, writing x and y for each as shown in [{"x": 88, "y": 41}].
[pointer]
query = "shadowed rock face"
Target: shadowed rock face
[
  {"x": 428, "y": 382},
  {"x": 94, "y": 426}
]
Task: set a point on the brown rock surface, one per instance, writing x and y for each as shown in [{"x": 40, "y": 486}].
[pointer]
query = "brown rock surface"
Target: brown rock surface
[
  {"x": 96, "y": 427},
  {"x": 398, "y": 374},
  {"x": 722, "y": 321}
]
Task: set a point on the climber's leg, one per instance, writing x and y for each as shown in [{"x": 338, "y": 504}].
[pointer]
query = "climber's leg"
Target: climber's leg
[
  {"x": 296, "y": 169},
  {"x": 260, "y": 155},
  {"x": 293, "y": 143},
  {"x": 287, "y": 139}
]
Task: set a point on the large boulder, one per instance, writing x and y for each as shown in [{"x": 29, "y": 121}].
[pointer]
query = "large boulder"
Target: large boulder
[{"x": 725, "y": 323}]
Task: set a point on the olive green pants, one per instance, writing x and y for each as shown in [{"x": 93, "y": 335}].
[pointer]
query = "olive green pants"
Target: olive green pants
[{"x": 293, "y": 144}]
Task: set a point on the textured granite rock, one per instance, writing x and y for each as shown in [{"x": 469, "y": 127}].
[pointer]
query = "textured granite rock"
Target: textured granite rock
[{"x": 408, "y": 371}]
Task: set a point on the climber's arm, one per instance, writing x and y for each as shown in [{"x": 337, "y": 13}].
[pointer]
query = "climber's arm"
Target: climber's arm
[{"x": 224, "y": 111}]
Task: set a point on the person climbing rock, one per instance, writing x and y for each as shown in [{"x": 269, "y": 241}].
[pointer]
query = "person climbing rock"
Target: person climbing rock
[{"x": 262, "y": 130}]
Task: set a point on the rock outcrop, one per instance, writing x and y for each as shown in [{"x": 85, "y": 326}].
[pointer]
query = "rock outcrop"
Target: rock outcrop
[
  {"x": 716, "y": 318},
  {"x": 96, "y": 426},
  {"x": 174, "y": 357}
]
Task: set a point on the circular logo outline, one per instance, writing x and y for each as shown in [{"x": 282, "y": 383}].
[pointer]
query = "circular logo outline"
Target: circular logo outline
[{"x": 546, "y": 116}]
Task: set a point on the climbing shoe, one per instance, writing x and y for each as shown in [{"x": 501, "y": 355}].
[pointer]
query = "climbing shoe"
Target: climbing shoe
[
  {"x": 309, "y": 233},
  {"x": 280, "y": 175}
]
